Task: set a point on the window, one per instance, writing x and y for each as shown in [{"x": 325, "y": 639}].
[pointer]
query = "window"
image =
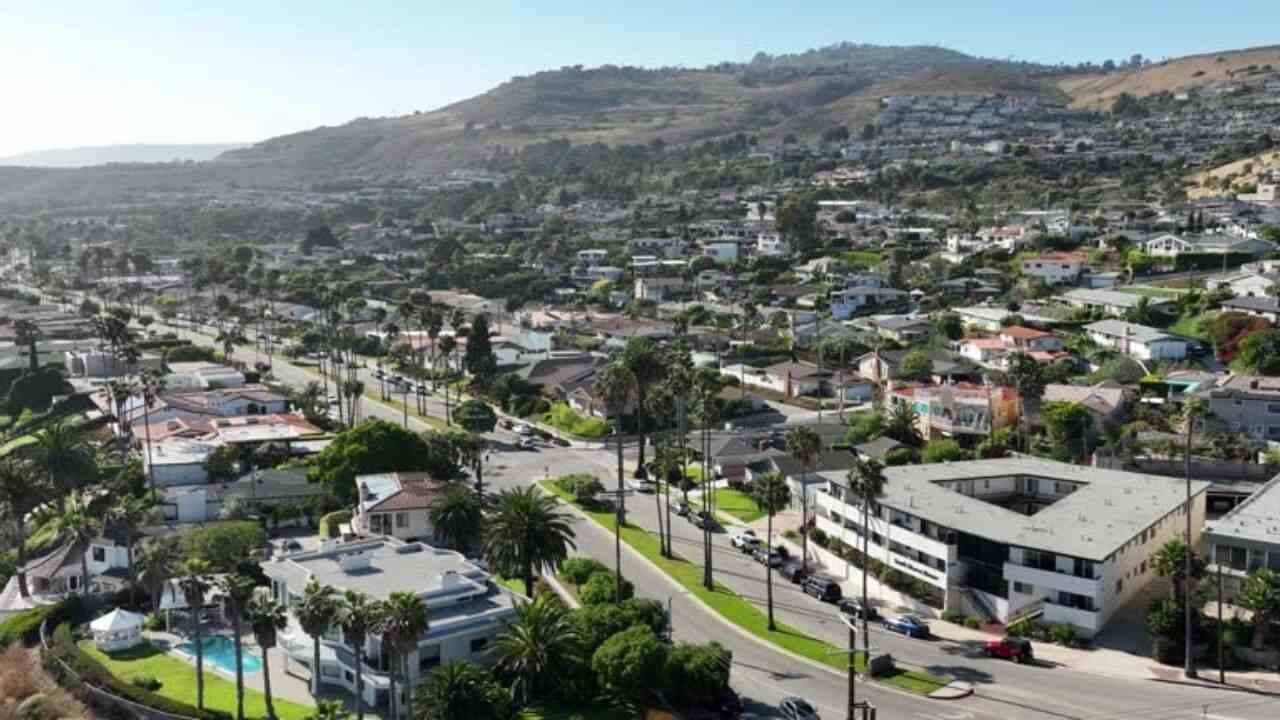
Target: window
[
  {"x": 428, "y": 657},
  {"x": 1237, "y": 402},
  {"x": 479, "y": 644},
  {"x": 1083, "y": 568},
  {"x": 1235, "y": 558},
  {"x": 1119, "y": 586},
  {"x": 402, "y": 519},
  {"x": 1023, "y": 588},
  {"x": 99, "y": 554},
  {"x": 1273, "y": 408}
]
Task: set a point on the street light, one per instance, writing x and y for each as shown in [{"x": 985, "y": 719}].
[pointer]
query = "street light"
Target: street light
[{"x": 868, "y": 712}]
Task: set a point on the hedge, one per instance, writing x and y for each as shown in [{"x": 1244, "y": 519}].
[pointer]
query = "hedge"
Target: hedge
[
  {"x": 90, "y": 671},
  {"x": 330, "y": 523},
  {"x": 25, "y": 626}
]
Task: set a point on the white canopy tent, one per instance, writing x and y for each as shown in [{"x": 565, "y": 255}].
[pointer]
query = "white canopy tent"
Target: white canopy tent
[{"x": 117, "y": 630}]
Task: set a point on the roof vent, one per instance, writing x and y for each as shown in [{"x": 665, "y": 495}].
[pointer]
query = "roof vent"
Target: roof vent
[
  {"x": 355, "y": 561},
  {"x": 409, "y": 549},
  {"x": 1253, "y": 384}
]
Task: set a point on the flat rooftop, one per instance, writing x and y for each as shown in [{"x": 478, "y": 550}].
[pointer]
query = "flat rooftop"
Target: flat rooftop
[
  {"x": 1256, "y": 519},
  {"x": 1109, "y": 508}
]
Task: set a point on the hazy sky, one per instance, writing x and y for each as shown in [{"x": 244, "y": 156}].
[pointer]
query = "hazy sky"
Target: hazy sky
[{"x": 115, "y": 71}]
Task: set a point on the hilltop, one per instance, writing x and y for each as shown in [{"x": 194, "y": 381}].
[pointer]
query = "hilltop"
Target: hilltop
[
  {"x": 1192, "y": 72},
  {"x": 770, "y": 97}
]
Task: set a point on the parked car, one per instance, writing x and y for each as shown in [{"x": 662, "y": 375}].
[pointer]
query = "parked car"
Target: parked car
[
  {"x": 853, "y": 607},
  {"x": 744, "y": 539},
  {"x": 773, "y": 556},
  {"x": 682, "y": 509},
  {"x": 825, "y": 589},
  {"x": 526, "y": 443},
  {"x": 794, "y": 708},
  {"x": 524, "y": 429},
  {"x": 908, "y": 625},
  {"x": 794, "y": 571},
  {"x": 703, "y": 519},
  {"x": 506, "y": 424},
  {"x": 646, "y": 486},
  {"x": 729, "y": 705},
  {"x": 1010, "y": 648}
]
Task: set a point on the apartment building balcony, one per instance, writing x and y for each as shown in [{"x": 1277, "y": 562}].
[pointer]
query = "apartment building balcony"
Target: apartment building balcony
[
  {"x": 1050, "y": 582},
  {"x": 959, "y": 426},
  {"x": 337, "y": 663}
]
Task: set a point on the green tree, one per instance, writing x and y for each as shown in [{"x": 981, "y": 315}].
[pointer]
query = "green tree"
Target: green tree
[
  {"x": 1170, "y": 562},
  {"x": 1069, "y": 425},
  {"x": 19, "y": 495},
  {"x": 630, "y": 663},
  {"x": 949, "y": 325},
  {"x": 866, "y": 482},
  {"x": 237, "y": 590},
  {"x": 864, "y": 427},
  {"x": 476, "y": 416},
  {"x": 943, "y": 450},
  {"x": 616, "y": 384},
  {"x": 772, "y": 494},
  {"x": 267, "y": 618},
  {"x": 67, "y": 458},
  {"x": 642, "y": 357},
  {"x": 458, "y": 516},
  {"x": 916, "y": 366},
  {"x": 537, "y": 647},
  {"x": 316, "y": 613},
  {"x": 1027, "y": 377},
  {"x": 375, "y": 446},
  {"x": 478, "y": 357},
  {"x": 461, "y": 690},
  {"x": 220, "y": 465},
  {"x": 796, "y": 219},
  {"x": 1260, "y": 352},
  {"x": 157, "y": 562},
  {"x": 1260, "y": 593},
  {"x": 697, "y": 674},
  {"x": 402, "y": 622},
  {"x": 526, "y": 533},
  {"x": 79, "y": 526},
  {"x": 902, "y": 424},
  {"x": 805, "y": 447},
  {"x": 27, "y": 334},
  {"x": 226, "y": 544}
]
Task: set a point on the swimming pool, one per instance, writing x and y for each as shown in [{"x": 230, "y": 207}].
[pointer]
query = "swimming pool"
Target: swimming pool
[{"x": 221, "y": 651}]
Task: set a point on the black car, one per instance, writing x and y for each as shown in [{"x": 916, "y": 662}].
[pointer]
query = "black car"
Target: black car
[
  {"x": 853, "y": 607},
  {"x": 825, "y": 589},
  {"x": 794, "y": 708},
  {"x": 682, "y": 509},
  {"x": 703, "y": 520},
  {"x": 794, "y": 571}
]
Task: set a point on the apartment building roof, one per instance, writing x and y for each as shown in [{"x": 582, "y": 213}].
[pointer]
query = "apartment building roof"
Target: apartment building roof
[
  {"x": 1257, "y": 518},
  {"x": 1108, "y": 509},
  {"x": 1256, "y": 385},
  {"x": 1112, "y": 298},
  {"x": 1135, "y": 332}
]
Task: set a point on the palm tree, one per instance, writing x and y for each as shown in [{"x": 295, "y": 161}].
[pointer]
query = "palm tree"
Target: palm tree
[
  {"x": 238, "y": 590},
  {"x": 67, "y": 459},
  {"x": 403, "y": 621},
  {"x": 805, "y": 446},
  {"x": 19, "y": 496},
  {"x": 641, "y": 356},
  {"x": 151, "y": 384},
  {"x": 771, "y": 493},
  {"x": 1194, "y": 411},
  {"x": 901, "y": 423},
  {"x": 315, "y": 612},
  {"x": 538, "y": 645},
  {"x": 266, "y": 618},
  {"x": 447, "y": 345},
  {"x": 667, "y": 467},
  {"x": 1171, "y": 561},
  {"x": 80, "y": 527},
  {"x": 526, "y": 534},
  {"x": 195, "y": 585},
  {"x": 159, "y": 562},
  {"x": 127, "y": 514},
  {"x": 1260, "y": 593},
  {"x": 866, "y": 481},
  {"x": 461, "y": 690},
  {"x": 358, "y": 615},
  {"x": 329, "y": 710},
  {"x": 27, "y": 334},
  {"x": 616, "y": 385},
  {"x": 1028, "y": 381},
  {"x": 457, "y": 517}
]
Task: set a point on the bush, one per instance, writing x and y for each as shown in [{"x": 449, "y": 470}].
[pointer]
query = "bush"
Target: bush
[
  {"x": 601, "y": 588},
  {"x": 578, "y": 570},
  {"x": 330, "y": 523},
  {"x": 25, "y": 626},
  {"x": 953, "y": 616},
  {"x": 581, "y": 486},
  {"x": 1022, "y": 628},
  {"x": 146, "y": 682},
  {"x": 1063, "y": 634},
  {"x": 819, "y": 536},
  {"x": 153, "y": 622},
  {"x": 564, "y": 418},
  {"x": 697, "y": 674},
  {"x": 973, "y": 623},
  {"x": 630, "y": 663}
]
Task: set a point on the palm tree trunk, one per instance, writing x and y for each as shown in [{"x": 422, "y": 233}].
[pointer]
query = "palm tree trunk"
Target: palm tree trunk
[
  {"x": 804, "y": 523},
  {"x": 235, "y": 628},
  {"x": 20, "y": 537},
  {"x": 315, "y": 666},
  {"x": 266, "y": 684},
  {"x": 195, "y": 619},
  {"x": 146, "y": 421},
  {"x": 663, "y": 547},
  {"x": 84, "y": 570},
  {"x": 768, "y": 572},
  {"x": 360, "y": 681},
  {"x": 391, "y": 698},
  {"x": 408, "y": 686},
  {"x": 641, "y": 397},
  {"x": 620, "y": 519},
  {"x": 866, "y": 533}
]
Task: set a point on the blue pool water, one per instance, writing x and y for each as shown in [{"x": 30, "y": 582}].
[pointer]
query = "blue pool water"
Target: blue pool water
[{"x": 221, "y": 651}]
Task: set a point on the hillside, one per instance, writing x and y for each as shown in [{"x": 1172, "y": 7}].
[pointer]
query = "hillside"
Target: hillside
[
  {"x": 1187, "y": 73},
  {"x": 104, "y": 154},
  {"x": 1240, "y": 172},
  {"x": 801, "y": 94}
]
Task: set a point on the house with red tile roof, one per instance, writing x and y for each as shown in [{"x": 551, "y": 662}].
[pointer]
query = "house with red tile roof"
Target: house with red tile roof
[{"x": 396, "y": 504}]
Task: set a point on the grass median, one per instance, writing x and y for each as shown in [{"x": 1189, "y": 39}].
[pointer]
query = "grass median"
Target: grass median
[{"x": 738, "y": 610}]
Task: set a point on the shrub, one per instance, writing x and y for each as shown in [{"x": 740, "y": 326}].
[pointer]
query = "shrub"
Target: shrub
[
  {"x": 697, "y": 674},
  {"x": 819, "y": 536},
  {"x": 630, "y": 663},
  {"x": 1022, "y": 628},
  {"x": 578, "y": 570},
  {"x": 563, "y": 417},
  {"x": 952, "y": 616},
  {"x": 153, "y": 622},
  {"x": 973, "y": 623},
  {"x": 330, "y": 523},
  {"x": 1063, "y": 634},
  {"x": 581, "y": 486},
  {"x": 146, "y": 682},
  {"x": 601, "y": 588},
  {"x": 25, "y": 626}
]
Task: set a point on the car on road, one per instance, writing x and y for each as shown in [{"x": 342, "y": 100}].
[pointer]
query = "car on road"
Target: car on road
[
  {"x": 794, "y": 571},
  {"x": 825, "y": 589},
  {"x": 853, "y": 607},
  {"x": 646, "y": 486},
  {"x": 794, "y": 708},
  {"x": 745, "y": 540},
  {"x": 908, "y": 625},
  {"x": 526, "y": 443},
  {"x": 703, "y": 519},
  {"x": 524, "y": 429},
  {"x": 682, "y": 509},
  {"x": 773, "y": 556},
  {"x": 506, "y": 424},
  {"x": 1011, "y": 648}
]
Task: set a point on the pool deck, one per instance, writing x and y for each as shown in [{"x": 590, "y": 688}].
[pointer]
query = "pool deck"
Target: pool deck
[{"x": 284, "y": 684}]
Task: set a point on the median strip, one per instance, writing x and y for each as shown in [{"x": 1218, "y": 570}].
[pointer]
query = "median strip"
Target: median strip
[{"x": 737, "y": 610}]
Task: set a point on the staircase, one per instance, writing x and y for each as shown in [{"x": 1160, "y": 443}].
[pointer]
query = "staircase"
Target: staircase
[{"x": 980, "y": 604}]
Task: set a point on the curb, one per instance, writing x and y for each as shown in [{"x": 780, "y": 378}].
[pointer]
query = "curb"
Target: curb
[
  {"x": 954, "y": 690},
  {"x": 744, "y": 633}
]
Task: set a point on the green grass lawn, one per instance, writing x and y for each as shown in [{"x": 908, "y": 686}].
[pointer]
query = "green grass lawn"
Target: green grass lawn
[
  {"x": 515, "y": 585},
  {"x": 42, "y": 537},
  {"x": 738, "y": 504},
  {"x": 178, "y": 681},
  {"x": 1195, "y": 326},
  {"x": 742, "y": 613},
  {"x": 568, "y": 712}
]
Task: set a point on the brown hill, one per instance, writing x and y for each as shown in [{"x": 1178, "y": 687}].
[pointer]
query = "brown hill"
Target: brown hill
[{"x": 1187, "y": 73}]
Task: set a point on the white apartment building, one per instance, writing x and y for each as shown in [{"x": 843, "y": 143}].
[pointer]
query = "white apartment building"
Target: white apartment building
[
  {"x": 1054, "y": 268},
  {"x": 772, "y": 244},
  {"x": 467, "y": 609},
  {"x": 1018, "y": 537}
]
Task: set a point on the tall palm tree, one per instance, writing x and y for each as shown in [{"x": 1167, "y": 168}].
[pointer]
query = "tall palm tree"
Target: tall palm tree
[
  {"x": 152, "y": 384},
  {"x": 771, "y": 493},
  {"x": 526, "y": 534},
  {"x": 66, "y": 457},
  {"x": 80, "y": 527},
  {"x": 447, "y": 346},
  {"x": 358, "y": 615},
  {"x": 457, "y": 516},
  {"x": 667, "y": 467},
  {"x": 616, "y": 384},
  {"x": 19, "y": 495},
  {"x": 159, "y": 562},
  {"x": 316, "y": 612},
  {"x": 266, "y": 618},
  {"x": 642, "y": 357},
  {"x": 238, "y": 590},
  {"x": 1027, "y": 377},
  {"x": 127, "y": 514},
  {"x": 866, "y": 482},
  {"x": 805, "y": 446},
  {"x": 195, "y": 586},
  {"x": 538, "y": 645},
  {"x": 403, "y": 621}
]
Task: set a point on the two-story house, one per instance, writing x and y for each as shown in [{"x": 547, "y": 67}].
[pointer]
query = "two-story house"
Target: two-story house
[
  {"x": 1137, "y": 341},
  {"x": 396, "y": 504},
  {"x": 1055, "y": 268},
  {"x": 1246, "y": 404}
]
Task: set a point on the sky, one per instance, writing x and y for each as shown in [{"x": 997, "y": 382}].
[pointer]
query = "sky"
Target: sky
[{"x": 78, "y": 73}]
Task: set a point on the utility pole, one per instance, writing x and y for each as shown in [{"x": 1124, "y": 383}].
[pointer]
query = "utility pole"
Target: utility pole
[
  {"x": 1188, "y": 661},
  {"x": 1222, "y": 671},
  {"x": 853, "y": 708}
]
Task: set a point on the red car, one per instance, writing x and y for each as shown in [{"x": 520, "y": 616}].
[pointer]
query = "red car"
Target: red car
[{"x": 1015, "y": 649}]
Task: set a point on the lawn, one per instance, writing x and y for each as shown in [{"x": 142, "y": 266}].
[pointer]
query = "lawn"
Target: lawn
[
  {"x": 738, "y": 504},
  {"x": 564, "y": 418},
  {"x": 178, "y": 681},
  {"x": 861, "y": 257},
  {"x": 569, "y": 712},
  {"x": 515, "y": 585},
  {"x": 1195, "y": 326},
  {"x": 740, "y": 612}
]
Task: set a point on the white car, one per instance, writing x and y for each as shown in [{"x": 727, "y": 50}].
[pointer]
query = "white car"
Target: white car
[
  {"x": 524, "y": 429},
  {"x": 745, "y": 539}
]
